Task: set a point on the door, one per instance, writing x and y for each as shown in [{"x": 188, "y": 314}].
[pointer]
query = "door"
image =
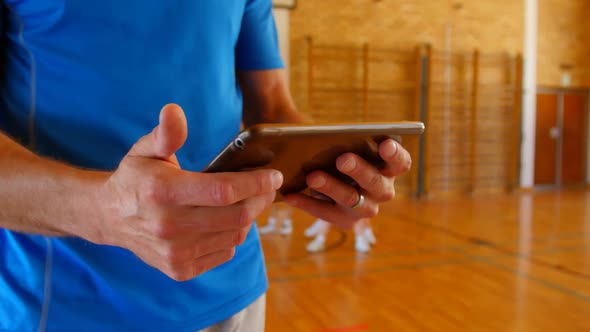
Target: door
[
  {"x": 573, "y": 163},
  {"x": 546, "y": 134}
]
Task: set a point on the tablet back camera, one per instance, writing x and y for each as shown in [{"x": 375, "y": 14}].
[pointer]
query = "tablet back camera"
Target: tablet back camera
[{"x": 239, "y": 144}]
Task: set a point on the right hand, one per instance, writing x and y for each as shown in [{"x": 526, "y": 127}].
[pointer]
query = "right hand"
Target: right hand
[{"x": 182, "y": 223}]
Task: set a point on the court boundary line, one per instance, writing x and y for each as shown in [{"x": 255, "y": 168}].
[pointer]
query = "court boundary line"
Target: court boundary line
[{"x": 494, "y": 246}]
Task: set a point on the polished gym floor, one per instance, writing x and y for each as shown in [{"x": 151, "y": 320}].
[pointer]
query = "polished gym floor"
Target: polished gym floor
[{"x": 516, "y": 262}]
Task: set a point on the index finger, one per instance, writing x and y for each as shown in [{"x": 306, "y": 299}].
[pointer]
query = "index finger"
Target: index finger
[
  {"x": 397, "y": 159},
  {"x": 222, "y": 189}
]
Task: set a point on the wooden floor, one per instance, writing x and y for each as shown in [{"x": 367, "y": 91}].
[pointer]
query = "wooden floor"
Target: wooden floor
[{"x": 501, "y": 263}]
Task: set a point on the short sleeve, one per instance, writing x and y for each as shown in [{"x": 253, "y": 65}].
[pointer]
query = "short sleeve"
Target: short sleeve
[{"x": 258, "y": 46}]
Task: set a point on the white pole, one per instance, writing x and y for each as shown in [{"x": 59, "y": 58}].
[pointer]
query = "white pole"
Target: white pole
[
  {"x": 588, "y": 144},
  {"x": 448, "y": 92},
  {"x": 282, "y": 21},
  {"x": 527, "y": 156}
]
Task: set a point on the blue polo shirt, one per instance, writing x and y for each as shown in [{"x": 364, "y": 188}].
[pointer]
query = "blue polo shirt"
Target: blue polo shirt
[{"x": 93, "y": 76}]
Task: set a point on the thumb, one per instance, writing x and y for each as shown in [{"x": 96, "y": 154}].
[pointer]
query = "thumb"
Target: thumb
[{"x": 166, "y": 138}]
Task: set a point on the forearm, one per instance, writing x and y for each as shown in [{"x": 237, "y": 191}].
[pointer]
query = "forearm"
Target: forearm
[
  {"x": 273, "y": 113},
  {"x": 267, "y": 99},
  {"x": 42, "y": 196}
]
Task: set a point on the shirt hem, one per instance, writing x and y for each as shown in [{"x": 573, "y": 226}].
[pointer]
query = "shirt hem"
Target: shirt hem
[
  {"x": 213, "y": 317},
  {"x": 220, "y": 314}
]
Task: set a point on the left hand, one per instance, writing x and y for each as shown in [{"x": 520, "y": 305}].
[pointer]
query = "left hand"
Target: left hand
[{"x": 377, "y": 186}]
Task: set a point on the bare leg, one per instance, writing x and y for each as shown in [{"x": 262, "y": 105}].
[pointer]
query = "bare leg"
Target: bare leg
[
  {"x": 361, "y": 243},
  {"x": 287, "y": 223},
  {"x": 271, "y": 224},
  {"x": 369, "y": 235},
  {"x": 314, "y": 229},
  {"x": 319, "y": 242}
]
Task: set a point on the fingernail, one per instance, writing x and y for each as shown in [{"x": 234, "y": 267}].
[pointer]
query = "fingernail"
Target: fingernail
[
  {"x": 348, "y": 165},
  {"x": 317, "y": 182},
  {"x": 391, "y": 149},
  {"x": 277, "y": 179}
]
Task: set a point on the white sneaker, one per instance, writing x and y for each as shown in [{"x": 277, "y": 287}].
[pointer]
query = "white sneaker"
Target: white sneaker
[
  {"x": 313, "y": 230},
  {"x": 370, "y": 236},
  {"x": 287, "y": 227},
  {"x": 361, "y": 244},
  {"x": 268, "y": 228},
  {"x": 318, "y": 244}
]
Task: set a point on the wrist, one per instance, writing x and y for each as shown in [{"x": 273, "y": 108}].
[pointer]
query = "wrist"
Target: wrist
[{"x": 85, "y": 200}]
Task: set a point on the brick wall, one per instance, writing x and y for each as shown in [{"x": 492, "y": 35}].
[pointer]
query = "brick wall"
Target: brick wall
[
  {"x": 491, "y": 26},
  {"x": 564, "y": 38}
]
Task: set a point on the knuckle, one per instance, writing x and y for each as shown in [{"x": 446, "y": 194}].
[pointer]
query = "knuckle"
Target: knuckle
[
  {"x": 351, "y": 199},
  {"x": 199, "y": 269},
  {"x": 157, "y": 190},
  {"x": 388, "y": 194},
  {"x": 376, "y": 181},
  {"x": 266, "y": 203},
  {"x": 178, "y": 274},
  {"x": 239, "y": 237},
  {"x": 224, "y": 257},
  {"x": 197, "y": 252},
  {"x": 246, "y": 216},
  {"x": 224, "y": 193},
  {"x": 243, "y": 235},
  {"x": 235, "y": 238},
  {"x": 173, "y": 256},
  {"x": 372, "y": 211},
  {"x": 229, "y": 255},
  {"x": 162, "y": 229},
  {"x": 168, "y": 254}
]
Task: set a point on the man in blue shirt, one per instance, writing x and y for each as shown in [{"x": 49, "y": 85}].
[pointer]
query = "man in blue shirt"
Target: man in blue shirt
[{"x": 106, "y": 223}]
